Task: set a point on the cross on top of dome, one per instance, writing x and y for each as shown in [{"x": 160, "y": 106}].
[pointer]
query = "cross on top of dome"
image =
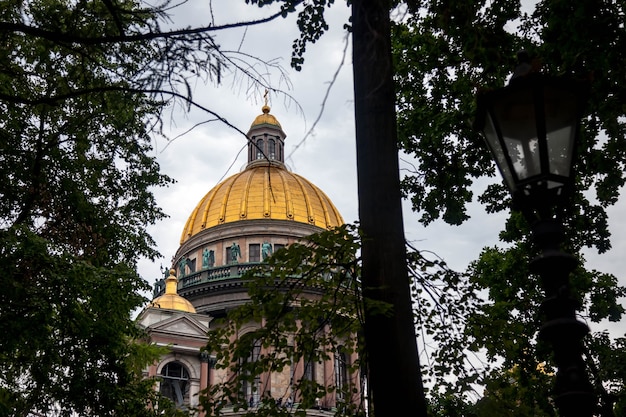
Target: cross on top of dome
[{"x": 265, "y": 118}]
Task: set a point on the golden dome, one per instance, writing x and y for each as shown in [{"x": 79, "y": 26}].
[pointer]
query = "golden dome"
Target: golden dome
[
  {"x": 263, "y": 192},
  {"x": 171, "y": 300},
  {"x": 265, "y": 118}
]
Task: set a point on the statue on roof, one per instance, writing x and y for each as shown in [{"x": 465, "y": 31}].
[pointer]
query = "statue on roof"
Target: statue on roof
[
  {"x": 208, "y": 258},
  {"x": 182, "y": 264},
  {"x": 235, "y": 253},
  {"x": 159, "y": 287},
  {"x": 266, "y": 250}
]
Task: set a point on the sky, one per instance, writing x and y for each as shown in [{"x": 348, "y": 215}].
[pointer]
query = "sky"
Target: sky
[{"x": 205, "y": 155}]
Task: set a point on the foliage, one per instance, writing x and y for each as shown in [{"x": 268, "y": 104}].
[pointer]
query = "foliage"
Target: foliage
[
  {"x": 446, "y": 52},
  {"x": 314, "y": 285},
  {"x": 516, "y": 392},
  {"x": 73, "y": 345},
  {"x": 443, "y": 299},
  {"x": 443, "y": 54},
  {"x": 435, "y": 61},
  {"x": 606, "y": 358},
  {"x": 75, "y": 186},
  {"x": 304, "y": 304},
  {"x": 450, "y": 406},
  {"x": 83, "y": 87}
]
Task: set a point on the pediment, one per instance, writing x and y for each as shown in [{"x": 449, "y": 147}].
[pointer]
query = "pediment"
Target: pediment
[{"x": 182, "y": 325}]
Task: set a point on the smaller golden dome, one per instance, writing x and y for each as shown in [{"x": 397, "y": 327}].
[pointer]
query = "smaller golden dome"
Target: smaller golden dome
[
  {"x": 266, "y": 118},
  {"x": 171, "y": 300}
]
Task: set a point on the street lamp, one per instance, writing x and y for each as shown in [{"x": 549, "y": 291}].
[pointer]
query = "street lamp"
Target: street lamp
[{"x": 531, "y": 128}]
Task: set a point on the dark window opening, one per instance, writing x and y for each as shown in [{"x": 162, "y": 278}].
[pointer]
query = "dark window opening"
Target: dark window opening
[
  {"x": 251, "y": 149},
  {"x": 341, "y": 373},
  {"x": 175, "y": 383},
  {"x": 254, "y": 252},
  {"x": 272, "y": 149},
  {"x": 309, "y": 370},
  {"x": 259, "y": 149},
  {"x": 250, "y": 389},
  {"x": 233, "y": 254}
]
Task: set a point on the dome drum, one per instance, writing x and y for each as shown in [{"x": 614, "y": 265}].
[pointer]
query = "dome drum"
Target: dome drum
[
  {"x": 278, "y": 231},
  {"x": 226, "y": 257}
]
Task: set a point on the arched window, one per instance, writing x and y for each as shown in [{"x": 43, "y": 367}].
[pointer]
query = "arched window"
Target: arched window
[
  {"x": 252, "y": 149},
  {"x": 175, "y": 383},
  {"x": 259, "y": 149},
  {"x": 272, "y": 149}
]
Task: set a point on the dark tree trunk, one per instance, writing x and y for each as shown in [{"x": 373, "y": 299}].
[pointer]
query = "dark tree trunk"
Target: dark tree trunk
[{"x": 395, "y": 381}]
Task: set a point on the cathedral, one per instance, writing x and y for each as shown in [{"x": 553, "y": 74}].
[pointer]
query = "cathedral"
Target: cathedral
[{"x": 233, "y": 228}]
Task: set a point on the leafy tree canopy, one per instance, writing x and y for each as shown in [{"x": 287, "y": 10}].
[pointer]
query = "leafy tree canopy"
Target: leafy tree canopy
[
  {"x": 446, "y": 51},
  {"x": 75, "y": 184},
  {"x": 82, "y": 87}
]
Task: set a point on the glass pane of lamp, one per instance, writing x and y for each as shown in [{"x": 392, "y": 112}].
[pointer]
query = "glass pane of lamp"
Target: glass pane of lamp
[
  {"x": 515, "y": 112},
  {"x": 560, "y": 110},
  {"x": 496, "y": 149}
]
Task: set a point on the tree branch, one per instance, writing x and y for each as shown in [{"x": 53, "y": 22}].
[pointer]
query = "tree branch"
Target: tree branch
[{"x": 63, "y": 37}]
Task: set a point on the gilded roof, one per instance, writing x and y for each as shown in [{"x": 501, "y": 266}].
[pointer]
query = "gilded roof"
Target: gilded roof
[
  {"x": 263, "y": 192},
  {"x": 171, "y": 300},
  {"x": 265, "y": 118}
]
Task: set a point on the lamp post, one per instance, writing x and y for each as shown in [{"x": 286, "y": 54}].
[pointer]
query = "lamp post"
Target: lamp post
[{"x": 531, "y": 127}]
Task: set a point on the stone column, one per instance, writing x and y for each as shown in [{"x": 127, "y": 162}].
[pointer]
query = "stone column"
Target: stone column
[{"x": 207, "y": 363}]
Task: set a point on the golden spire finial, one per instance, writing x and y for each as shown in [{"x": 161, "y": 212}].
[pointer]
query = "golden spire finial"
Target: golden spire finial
[
  {"x": 171, "y": 283},
  {"x": 171, "y": 300}
]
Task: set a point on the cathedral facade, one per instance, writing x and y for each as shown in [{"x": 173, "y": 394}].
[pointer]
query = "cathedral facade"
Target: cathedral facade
[{"x": 233, "y": 228}]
